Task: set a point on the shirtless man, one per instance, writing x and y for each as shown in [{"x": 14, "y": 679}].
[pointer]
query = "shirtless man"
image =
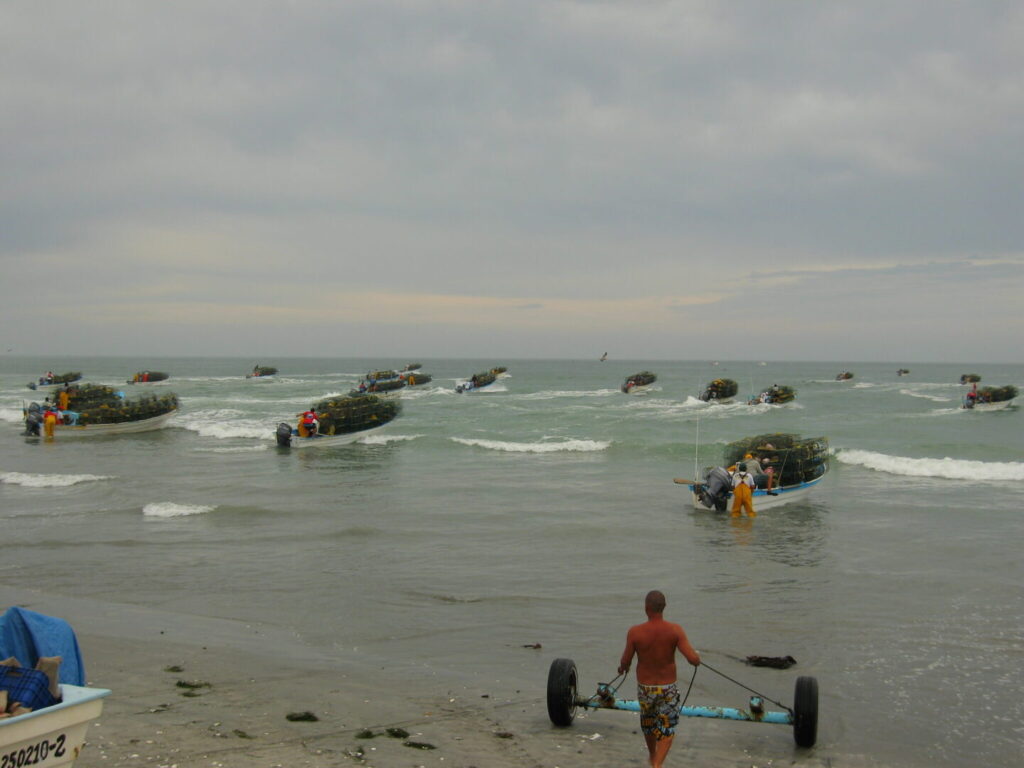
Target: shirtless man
[{"x": 654, "y": 643}]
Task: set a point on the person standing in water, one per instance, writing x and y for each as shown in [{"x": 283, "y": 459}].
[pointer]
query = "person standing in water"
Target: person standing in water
[{"x": 655, "y": 643}]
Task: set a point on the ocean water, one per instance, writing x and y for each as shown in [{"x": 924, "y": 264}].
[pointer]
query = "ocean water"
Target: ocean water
[{"x": 541, "y": 510}]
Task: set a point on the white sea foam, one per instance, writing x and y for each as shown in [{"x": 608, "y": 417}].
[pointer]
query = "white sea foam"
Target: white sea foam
[
  {"x": 225, "y": 424},
  {"x": 170, "y": 509},
  {"x": 385, "y": 439},
  {"x": 543, "y": 447},
  {"x": 48, "y": 481},
  {"x": 948, "y": 468},
  {"x": 933, "y": 398},
  {"x": 864, "y": 385},
  {"x": 236, "y": 449}
]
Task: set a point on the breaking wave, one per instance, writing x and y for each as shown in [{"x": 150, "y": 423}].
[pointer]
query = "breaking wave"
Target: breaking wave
[
  {"x": 170, "y": 509},
  {"x": 48, "y": 481},
  {"x": 584, "y": 446},
  {"x": 947, "y": 468}
]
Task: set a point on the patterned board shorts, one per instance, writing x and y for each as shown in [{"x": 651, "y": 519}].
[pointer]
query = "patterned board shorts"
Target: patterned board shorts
[{"x": 659, "y": 709}]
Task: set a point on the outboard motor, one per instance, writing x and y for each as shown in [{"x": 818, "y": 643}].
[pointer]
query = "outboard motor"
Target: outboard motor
[
  {"x": 714, "y": 493},
  {"x": 284, "y": 434},
  {"x": 33, "y": 421}
]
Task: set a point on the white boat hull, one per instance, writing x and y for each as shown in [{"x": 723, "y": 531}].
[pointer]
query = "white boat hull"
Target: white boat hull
[
  {"x": 121, "y": 428},
  {"x": 53, "y": 736},
  {"x": 639, "y": 389},
  {"x": 326, "y": 441},
  {"x": 762, "y": 500},
  {"x": 991, "y": 406}
]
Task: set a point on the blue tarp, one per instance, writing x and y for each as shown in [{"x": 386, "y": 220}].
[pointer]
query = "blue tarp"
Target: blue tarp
[{"x": 27, "y": 635}]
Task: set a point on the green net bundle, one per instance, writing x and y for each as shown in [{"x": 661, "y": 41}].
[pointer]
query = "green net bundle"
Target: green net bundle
[
  {"x": 844, "y": 375},
  {"x": 263, "y": 370},
  {"x": 388, "y": 385},
  {"x": 417, "y": 379},
  {"x": 499, "y": 369},
  {"x": 341, "y": 415},
  {"x": 720, "y": 389},
  {"x": 378, "y": 375},
  {"x": 969, "y": 378},
  {"x": 67, "y": 378},
  {"x": 99, "y": 404},
  {"x": 412, "y": 367},
  {"x": 795, "y": 459},
  {"x": 997, "y": 394}
]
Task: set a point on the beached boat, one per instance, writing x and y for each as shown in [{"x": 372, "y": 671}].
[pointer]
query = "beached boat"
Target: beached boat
[
  {"x": 148, "y": 377},
  {"x": 990, "y": 398},
  {"x": 341, "y": 421},
  {"x": 638, "y": 383},
  {"x": 720, "y": 391},
  {"x": 55, "y": 382},
  {"x": 799, "y": 465},
  {"x": 260, "y": 371},
  {"x": 476, "y": 381},
  {"x": 52, "y": 736}
]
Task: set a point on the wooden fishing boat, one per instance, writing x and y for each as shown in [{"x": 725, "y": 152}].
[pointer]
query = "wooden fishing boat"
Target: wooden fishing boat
[
  {"x": 260, "y": 371},
  {"x": 47, "y": 383},
  {"x": 288, "y": 436},
  {"x": 476, "y": 381},
  {"x": 991, "y": 398},
  {"x": 777, "y": 394},
  {"x": 119, "y": 428},
  {"x": 52, "y": 736}
]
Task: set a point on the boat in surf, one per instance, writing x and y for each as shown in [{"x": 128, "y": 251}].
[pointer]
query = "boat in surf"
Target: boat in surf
[
  {"x": 902, "y": 372},
  {"x": 970, "y": 378},
  {"x": 148, "y": 377},
  {"x": 799, "y": 465},
  {"x": 639, "y": 383},
  {"x": 340, "y": 421},
  {"x": 500, "y": 372},
  {"x": 259, "y": 371},
  {"x": 844, "y": 376},
  {"x": 96, "y": 409},
  {"x": 49, "y": 381},
  {"x": 477, "y": 381},
  {"x": 720, "y": 391},
  {"x": 990, "y": 398},
  {"x": 776, "y": 394}
]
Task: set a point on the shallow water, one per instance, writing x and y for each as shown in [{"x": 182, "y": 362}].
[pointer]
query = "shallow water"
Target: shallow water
[{"x": 542, "y": 508}]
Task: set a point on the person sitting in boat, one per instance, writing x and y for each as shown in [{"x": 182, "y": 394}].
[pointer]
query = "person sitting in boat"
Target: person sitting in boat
[
  {"x": 309, "y": 424},
  {"x": 763, "y": 476}
]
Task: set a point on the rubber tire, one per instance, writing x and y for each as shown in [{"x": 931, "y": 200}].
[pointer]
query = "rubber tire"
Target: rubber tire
[
  {"x": 805, "y": 711},
  {"x": 562, "y": 691}
]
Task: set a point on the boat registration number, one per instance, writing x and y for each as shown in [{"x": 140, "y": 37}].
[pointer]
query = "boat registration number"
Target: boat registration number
[{"x": 36, "y": 753}]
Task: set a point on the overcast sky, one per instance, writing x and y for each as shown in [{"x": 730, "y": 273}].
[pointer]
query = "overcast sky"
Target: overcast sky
[{"x": 764, "y": 180}]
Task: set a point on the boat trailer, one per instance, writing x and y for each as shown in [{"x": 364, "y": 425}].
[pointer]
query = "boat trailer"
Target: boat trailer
[{"x": 564, "y": 699}]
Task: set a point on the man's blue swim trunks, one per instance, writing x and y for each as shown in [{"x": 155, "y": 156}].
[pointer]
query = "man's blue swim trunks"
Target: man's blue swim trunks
[{"x": 659, "y": 709}]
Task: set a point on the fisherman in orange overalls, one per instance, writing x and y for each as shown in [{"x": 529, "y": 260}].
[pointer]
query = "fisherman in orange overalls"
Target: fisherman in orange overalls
[{"x": 742, "y": 491}]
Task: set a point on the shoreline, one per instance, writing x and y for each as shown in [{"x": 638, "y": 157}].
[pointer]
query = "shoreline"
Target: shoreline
[{"x": 237, "y": 689}]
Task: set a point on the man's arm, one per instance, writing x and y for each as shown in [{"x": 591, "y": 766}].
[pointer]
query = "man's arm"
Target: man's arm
[
  {"x": 627, "y": 655},
  {"x": 686, "y": 649}
]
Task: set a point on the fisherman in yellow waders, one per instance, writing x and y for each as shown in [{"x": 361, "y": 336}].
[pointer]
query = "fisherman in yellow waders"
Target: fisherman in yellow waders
[
  {"x": 742, "y": 491},
  {"x": 49, "y": 422}
]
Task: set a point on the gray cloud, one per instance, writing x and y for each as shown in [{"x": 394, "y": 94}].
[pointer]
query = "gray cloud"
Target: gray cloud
[{"x": 535, "y": 152}]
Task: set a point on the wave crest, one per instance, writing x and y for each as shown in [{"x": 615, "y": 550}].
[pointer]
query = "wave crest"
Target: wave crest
[
  {"x": 48, "y": 481},
  {"x": 585, "y": 446},
  {"x": 947, "y": 468}
]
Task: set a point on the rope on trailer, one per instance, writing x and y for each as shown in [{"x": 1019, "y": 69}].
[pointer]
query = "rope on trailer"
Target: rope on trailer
[{"x": 741, "y": 685}]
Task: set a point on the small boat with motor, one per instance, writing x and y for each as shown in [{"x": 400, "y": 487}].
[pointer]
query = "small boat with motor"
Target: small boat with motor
[
  {"x": 720, "y": 391},
  {"x": 476, "y": 381},
  {"x": 339, "y": 421},
  {"x": 639, "y": 383},
  {"x": 50, "y": 381},
  {"x": 970, "y": 378},
  {"x": 798, "y": 466},
  {"x": 148, "y": 377},
  {"x": 412, "y": 367},
  {"x": 844, "y": 376},
  {"x": 95, "y": 410},
  {"x": 776, "y": 394},
  {"x": 903, "y": 372},
  {"x": 990, "y": 398},
  {"x": 260, "y": 371},
  {"x": 500, "y": 372}
]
